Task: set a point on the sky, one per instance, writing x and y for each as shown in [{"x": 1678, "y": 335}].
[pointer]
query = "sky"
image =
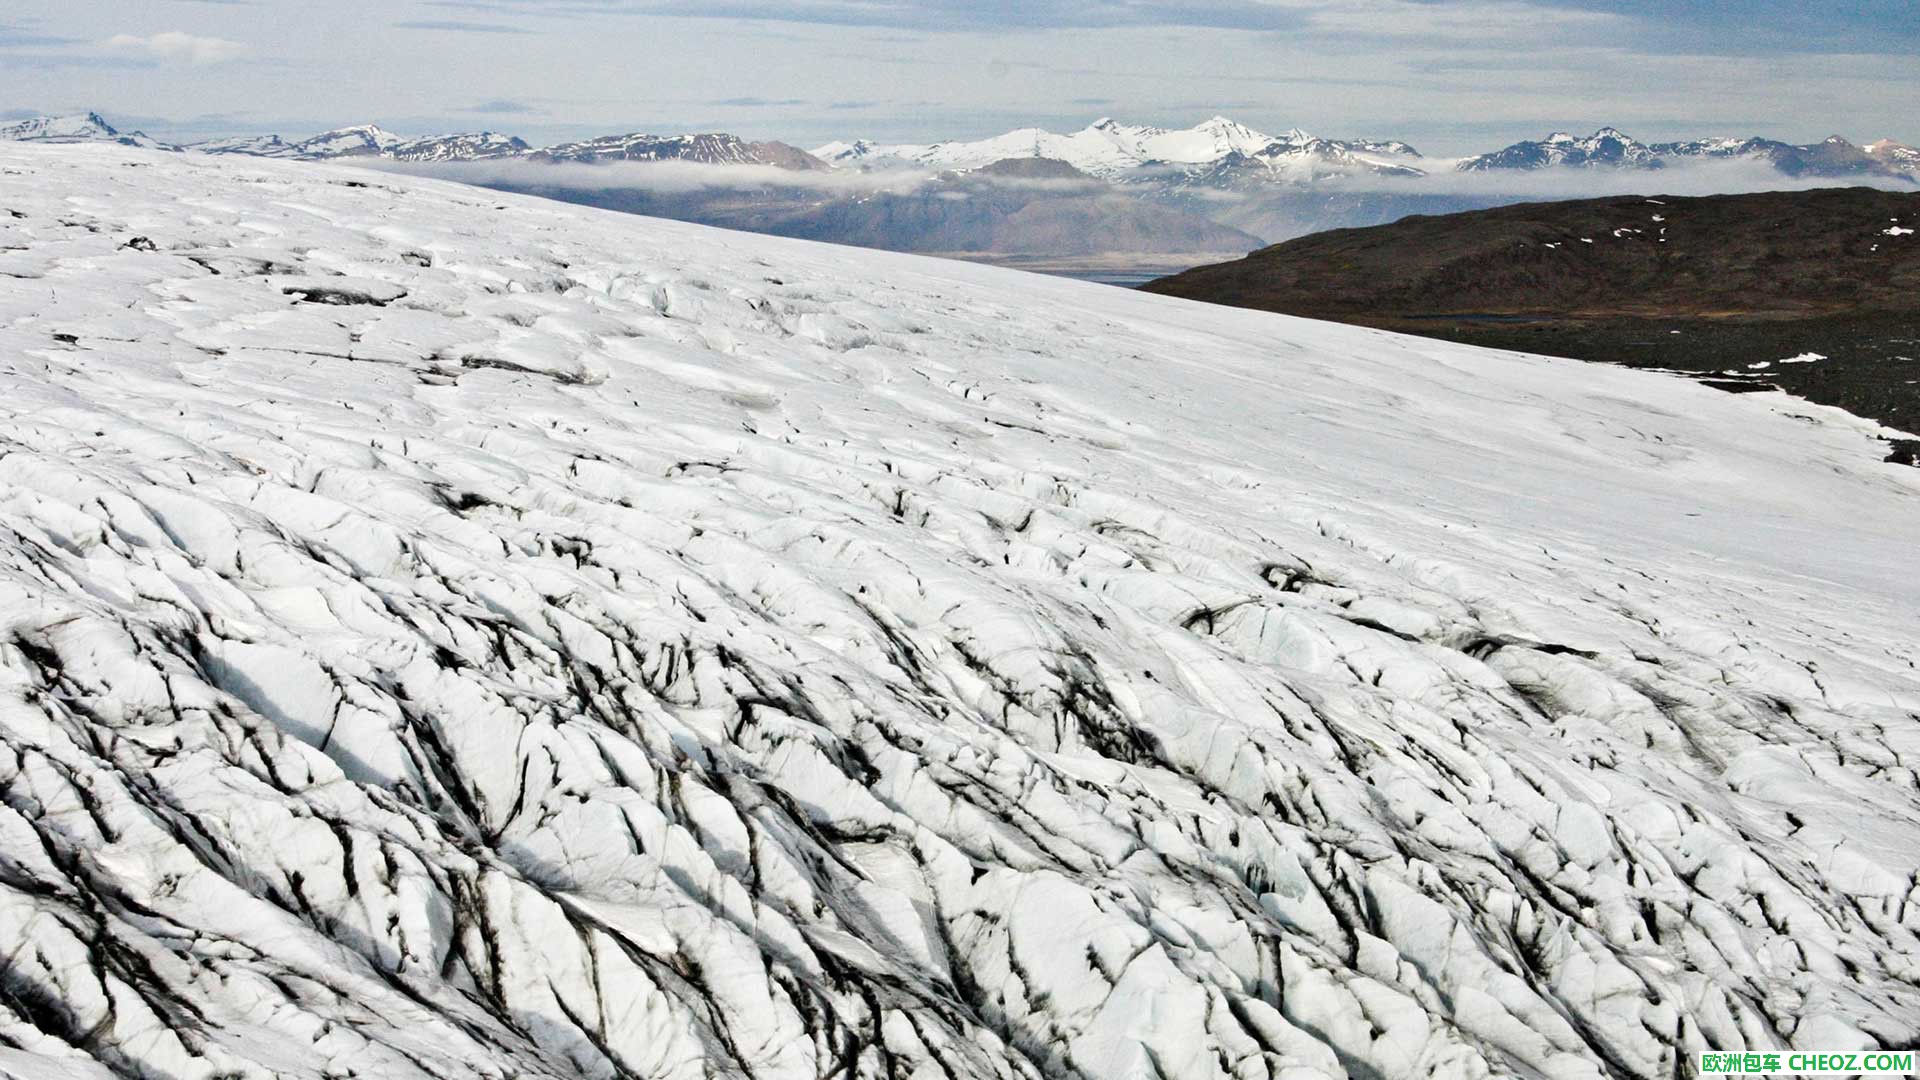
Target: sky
[{"x": 1451, "y": 76}]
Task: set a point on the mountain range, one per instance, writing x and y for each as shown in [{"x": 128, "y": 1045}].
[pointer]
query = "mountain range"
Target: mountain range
[
  {"x": 1610, "y": 148},
  {"x": 90, "y": 127},
  {"x": 1219, "y": 183},
  {"x": 369, "y": 141},
  {"x": 1222, "y": 148},
  {"x": 1124, "y": 152},
  {"x": 1219, "y": 148}
]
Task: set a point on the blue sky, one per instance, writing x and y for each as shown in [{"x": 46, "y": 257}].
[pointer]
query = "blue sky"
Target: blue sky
[{"x": 1450, "y": 75}]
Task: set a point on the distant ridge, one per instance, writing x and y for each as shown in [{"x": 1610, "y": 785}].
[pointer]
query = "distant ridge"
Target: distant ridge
[
  {"x": 1610, "y": 148},
  {"x": 1219, "y": 153},
  {"x": 87, "y": 127},
  {"x": 1113, "y": 150}
]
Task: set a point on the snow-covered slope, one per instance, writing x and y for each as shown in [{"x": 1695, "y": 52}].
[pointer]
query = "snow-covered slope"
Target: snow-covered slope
[{"x": 458, "y": 635}]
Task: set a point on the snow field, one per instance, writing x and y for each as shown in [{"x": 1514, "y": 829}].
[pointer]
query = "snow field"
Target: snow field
[{"x": 446, "y": 634}]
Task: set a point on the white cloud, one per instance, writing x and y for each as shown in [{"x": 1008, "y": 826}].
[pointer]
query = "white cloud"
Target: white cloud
[
  {"x": 1710, "y": 177},
  {"x": 662, "y": 177},
  {"x": 1430, "y": 25},
  {"x": 178, "y": 46}
]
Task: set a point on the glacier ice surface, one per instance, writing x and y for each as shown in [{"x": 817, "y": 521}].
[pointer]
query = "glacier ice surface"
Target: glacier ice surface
[{"x": 445, "y": 634}]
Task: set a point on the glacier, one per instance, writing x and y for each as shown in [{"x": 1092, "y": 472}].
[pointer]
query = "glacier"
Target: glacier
[{"x": 448, "y": 634}]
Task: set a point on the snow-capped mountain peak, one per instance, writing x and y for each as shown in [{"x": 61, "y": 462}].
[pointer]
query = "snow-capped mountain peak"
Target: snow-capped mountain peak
[
  {"x": 246, "y": 145},
  {"x": 1607, "y": 146},
  {"x": 470, "y": 146},
  {"x": 355, "y": 141},
  {"x": 1204, "y": 143},
  {"x": 84, "y": 126},
  {"x": 845, "y": 153},
  {"x": 1610, "y": 147},
  {"x": 706, "y": 148},
  {"x": 77, "y": 128},
  {"x": 1722, "y": 144},
  {"x": 1895, "y": 155},
  {"x": 369, "y": 140},
  {"x": 1235, "y": 133},
  {"x": 1396, "y": 147}
]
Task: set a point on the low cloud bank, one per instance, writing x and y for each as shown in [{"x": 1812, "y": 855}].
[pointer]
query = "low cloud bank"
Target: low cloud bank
[
  {"x": 178, "y": 46},
  {"x": 1709, "y": 177},
  {"x": 662, "y": 177},
  {"x": 684, "y": 177}
]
